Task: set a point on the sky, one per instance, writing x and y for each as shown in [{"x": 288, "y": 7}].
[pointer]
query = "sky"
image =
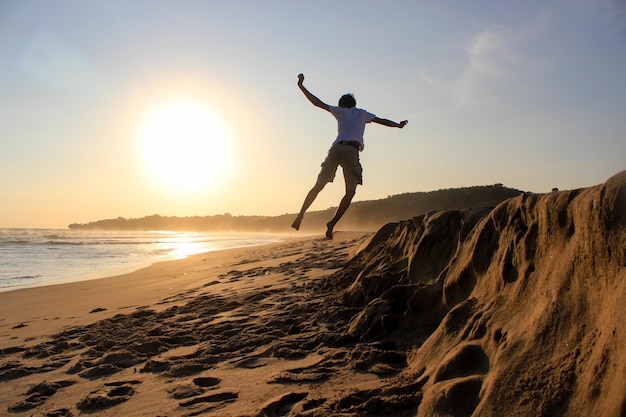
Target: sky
[{"x": 112, "y": 108}]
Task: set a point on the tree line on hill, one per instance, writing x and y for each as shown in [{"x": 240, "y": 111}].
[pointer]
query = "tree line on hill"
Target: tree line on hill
[{"x": 362, "y": 215}]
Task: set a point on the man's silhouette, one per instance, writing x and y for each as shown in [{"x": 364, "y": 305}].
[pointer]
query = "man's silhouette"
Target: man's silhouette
[{"x": 344, "y": 151}]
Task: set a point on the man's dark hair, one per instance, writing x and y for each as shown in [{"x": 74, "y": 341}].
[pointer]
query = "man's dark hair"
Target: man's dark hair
[{"x": 347, "y": 101}]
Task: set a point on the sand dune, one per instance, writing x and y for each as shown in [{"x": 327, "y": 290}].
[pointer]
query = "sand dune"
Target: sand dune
[{"x": 515, "y": 310}]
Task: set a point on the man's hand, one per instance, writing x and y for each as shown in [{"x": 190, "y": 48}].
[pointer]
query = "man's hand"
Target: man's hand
[
  {"x": 390, "y": 123},
  {"x": 316, "y": 101}
]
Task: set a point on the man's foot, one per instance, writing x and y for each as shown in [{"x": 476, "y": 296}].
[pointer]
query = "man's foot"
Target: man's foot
[
  {"x": 329, "y": 231},
  {"x": 296, "y": 223}
]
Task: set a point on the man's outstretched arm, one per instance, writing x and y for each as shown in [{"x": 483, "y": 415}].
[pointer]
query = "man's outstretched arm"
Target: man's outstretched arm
[
  {"x": 390, "y": 123},
  {"x": 316, "y": 101}
]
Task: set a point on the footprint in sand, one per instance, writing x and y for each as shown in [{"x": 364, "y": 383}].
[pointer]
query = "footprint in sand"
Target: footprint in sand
[
  {"x": 38, "y": 395},
  {"x": 218, "y": 399},
  {"x": 184, "y": 391},
  {"x": 106, "y": 398},
  {"x": 282, "y": 405}
]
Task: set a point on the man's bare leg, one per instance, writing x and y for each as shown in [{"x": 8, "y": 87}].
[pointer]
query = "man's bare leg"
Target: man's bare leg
[
  {"x": 310, "y": 198},
  {"x": 343, "y": 206}
]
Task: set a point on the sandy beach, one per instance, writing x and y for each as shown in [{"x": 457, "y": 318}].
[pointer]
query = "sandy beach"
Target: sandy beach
[
  {"x": 515, "y": 310},
  {"x": 221, "y": 333}
]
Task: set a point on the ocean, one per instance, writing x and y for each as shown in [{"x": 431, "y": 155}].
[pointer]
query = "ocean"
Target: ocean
[{"x": 37, "y": 257}]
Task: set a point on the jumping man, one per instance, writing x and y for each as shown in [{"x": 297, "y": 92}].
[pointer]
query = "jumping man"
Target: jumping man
[{"x": 344, "y": 151}]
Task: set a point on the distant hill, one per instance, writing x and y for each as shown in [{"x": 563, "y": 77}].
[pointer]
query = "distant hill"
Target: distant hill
[{"x": 362, "y": 215}]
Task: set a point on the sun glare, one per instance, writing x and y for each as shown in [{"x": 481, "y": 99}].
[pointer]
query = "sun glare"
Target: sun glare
[{"x": 184, "y": 146}]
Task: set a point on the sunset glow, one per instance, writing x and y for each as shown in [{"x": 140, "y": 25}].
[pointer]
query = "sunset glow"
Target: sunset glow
[{"x": 183, "y": 146}]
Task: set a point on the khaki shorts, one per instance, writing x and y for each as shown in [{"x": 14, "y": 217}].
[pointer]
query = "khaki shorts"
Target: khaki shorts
[{"x": 348, "y": 157}]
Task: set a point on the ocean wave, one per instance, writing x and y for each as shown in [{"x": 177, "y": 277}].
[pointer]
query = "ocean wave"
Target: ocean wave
[
  {"x": 16, "y": 241},
  {"x": 18, "y": 280},
  {"x": 69, "y": 241},
  {"x": 27, "y": 277},
  {"x": 72, "y": 241},
  {"x": 98, "y": 242}
]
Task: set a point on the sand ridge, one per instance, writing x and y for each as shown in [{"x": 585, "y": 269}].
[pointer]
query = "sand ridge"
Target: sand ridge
[{"x": 516, "y": 310}]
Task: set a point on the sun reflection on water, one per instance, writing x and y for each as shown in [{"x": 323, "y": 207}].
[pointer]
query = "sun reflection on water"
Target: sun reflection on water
[{"x": 178, "y": 245}]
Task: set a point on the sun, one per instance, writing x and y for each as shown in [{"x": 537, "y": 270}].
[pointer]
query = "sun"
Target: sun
[{"x": 184, "y": 146}]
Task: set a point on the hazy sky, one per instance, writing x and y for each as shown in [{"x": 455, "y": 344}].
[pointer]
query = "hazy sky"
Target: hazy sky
[{"x": 130, "y": 108}]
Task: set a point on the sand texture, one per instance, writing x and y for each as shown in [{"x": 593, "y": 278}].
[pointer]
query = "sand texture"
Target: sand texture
[{"x": 516, "y": 310}]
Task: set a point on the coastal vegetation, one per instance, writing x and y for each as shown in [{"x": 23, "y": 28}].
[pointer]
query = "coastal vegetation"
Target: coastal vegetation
[{"x": 362, "y": 215}]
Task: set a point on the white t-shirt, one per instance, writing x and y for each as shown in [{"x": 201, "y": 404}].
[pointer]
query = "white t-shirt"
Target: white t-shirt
[{"x": 351, "y": 124}]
